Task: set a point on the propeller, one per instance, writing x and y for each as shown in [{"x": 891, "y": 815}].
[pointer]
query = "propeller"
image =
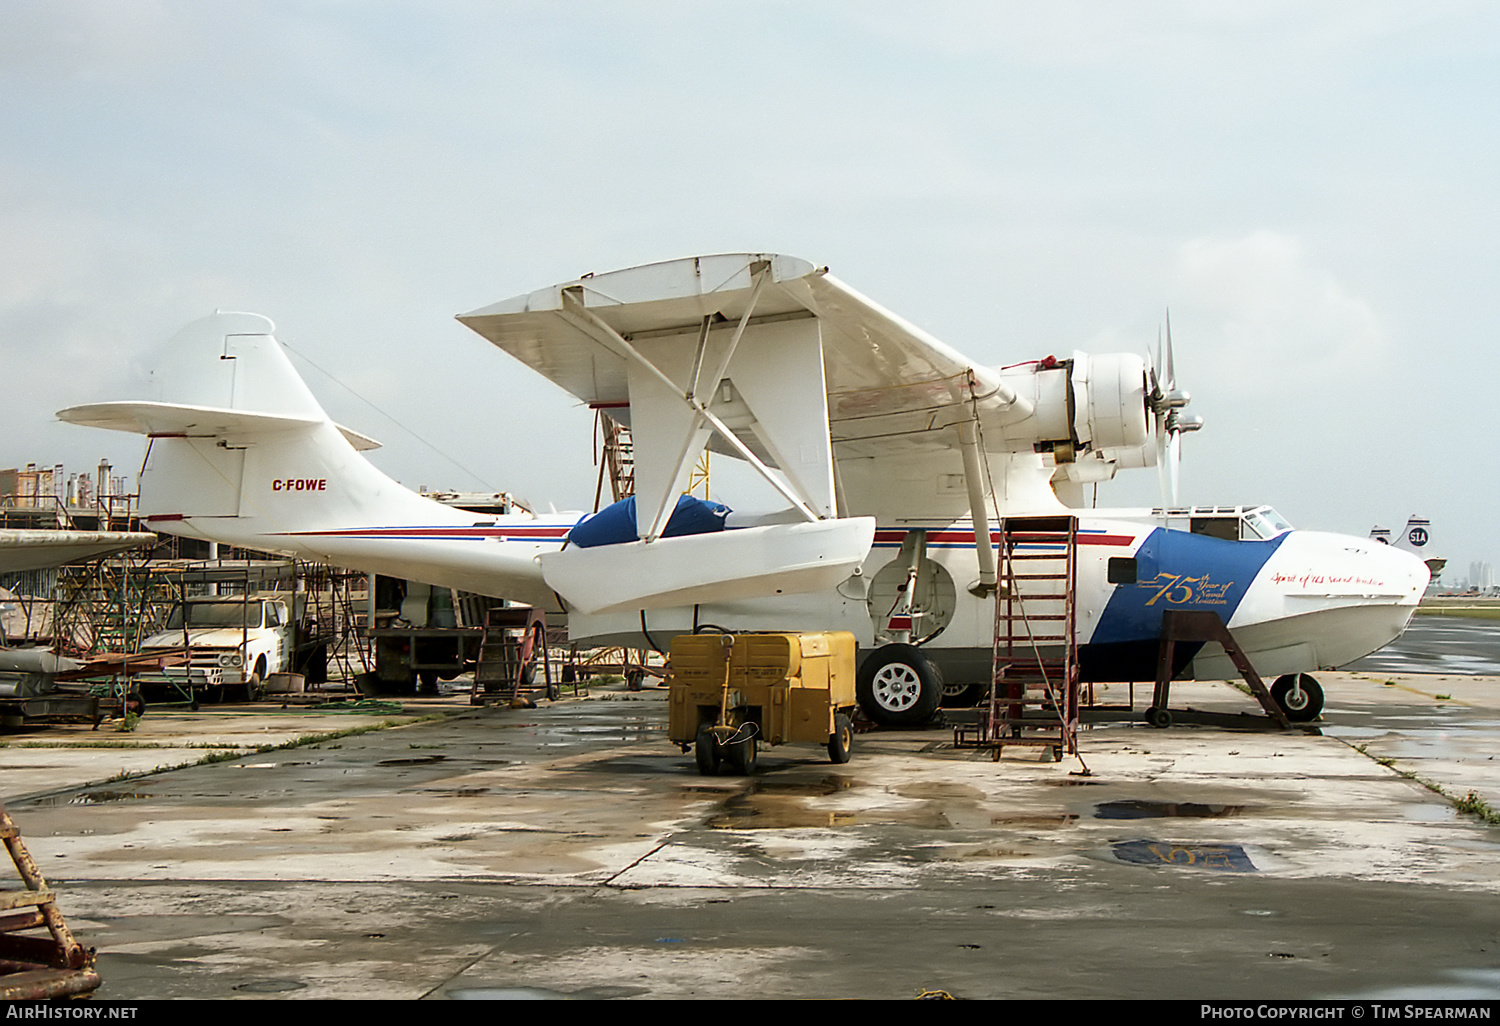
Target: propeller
[{"x": 1166, "y": 402}]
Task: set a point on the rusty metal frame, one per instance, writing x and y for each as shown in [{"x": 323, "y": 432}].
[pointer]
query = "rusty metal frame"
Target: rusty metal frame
[{"x": 35, "y": 968}]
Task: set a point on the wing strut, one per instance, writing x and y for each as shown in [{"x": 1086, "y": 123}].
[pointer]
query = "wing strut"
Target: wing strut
[
  {"x": 975, "y": 478},
  {"x": 655, "y": 509}
]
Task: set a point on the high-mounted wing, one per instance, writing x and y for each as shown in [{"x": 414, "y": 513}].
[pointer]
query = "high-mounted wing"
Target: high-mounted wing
[{"x": 784, "y": 365}]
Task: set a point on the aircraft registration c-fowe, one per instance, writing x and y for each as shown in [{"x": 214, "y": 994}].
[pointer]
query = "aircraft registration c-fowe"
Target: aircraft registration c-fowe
[{"x": 900, "y": 462}]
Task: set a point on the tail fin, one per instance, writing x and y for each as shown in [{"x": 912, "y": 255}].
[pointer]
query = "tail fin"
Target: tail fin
[
  {"x": 1415, "y": 537},
  {"x": 240, "y": 449}
]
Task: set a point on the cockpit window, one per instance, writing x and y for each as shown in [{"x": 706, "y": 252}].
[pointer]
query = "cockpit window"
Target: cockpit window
[
  {"x": 1227, "y": 528},
  {"x": 1265, "y": 523}
]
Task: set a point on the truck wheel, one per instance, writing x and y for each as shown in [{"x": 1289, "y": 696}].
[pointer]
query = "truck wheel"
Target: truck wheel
[
  {"x": 255, "y": 685},
  {"x": 898, "y": 687}
]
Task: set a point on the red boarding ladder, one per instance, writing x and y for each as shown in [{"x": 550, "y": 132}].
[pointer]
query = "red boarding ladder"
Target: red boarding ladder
[{"x": 1034, "y": 691}]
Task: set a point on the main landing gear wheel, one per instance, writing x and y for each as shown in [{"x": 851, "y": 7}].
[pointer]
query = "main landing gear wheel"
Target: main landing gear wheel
[
  {"x": 1300, "y": 697},
  {"x": 963, "y": 696},
  {"x": 898, "y": 687},
  {"x": 1157, "y": 718}
]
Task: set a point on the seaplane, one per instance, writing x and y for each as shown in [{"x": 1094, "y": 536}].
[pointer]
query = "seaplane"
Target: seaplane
[{"x": 898, "y": 463}]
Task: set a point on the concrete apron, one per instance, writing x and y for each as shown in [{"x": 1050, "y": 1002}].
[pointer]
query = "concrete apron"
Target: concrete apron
[{"x": 572, "y": 851}]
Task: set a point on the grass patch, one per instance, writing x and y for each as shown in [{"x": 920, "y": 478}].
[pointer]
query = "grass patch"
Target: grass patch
[
  {"x": 84, "y": 744},
  {"x": 1474, "y": 805},
  {"x": 1470, "y": 804},
  {"x": 221, "y": 752},
  {"x": 1469, "y": 612}
]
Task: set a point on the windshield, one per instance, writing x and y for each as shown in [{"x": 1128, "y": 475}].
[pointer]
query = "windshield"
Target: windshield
[
  {"x": 216, "y": 614},
  {"x": 1265, "y": 522}
]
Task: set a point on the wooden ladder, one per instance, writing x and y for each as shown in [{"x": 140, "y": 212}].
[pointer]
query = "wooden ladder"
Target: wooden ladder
[{"x": 36, "y": 968}]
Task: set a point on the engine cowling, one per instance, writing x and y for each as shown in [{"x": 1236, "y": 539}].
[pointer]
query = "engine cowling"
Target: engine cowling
[{"x": 1087, "y": 403}]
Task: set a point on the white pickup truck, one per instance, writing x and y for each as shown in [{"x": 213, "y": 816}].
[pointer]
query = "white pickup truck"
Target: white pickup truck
[{"x": 232, "y": 643}]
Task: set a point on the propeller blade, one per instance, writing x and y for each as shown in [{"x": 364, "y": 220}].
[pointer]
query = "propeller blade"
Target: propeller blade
[
  {"x": 1169, "y": 369},
  {"x": 1174, "y": 465}
]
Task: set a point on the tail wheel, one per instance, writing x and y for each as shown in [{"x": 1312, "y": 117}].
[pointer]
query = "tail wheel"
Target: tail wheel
[{"x": 1299, "y": 695}]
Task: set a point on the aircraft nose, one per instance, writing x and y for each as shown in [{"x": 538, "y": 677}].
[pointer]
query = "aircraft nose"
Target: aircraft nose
[{"x": 1402, "y": 566}]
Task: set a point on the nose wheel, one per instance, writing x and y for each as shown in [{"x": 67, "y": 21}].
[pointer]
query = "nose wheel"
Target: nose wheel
[{"x": 1299, "y": 695}]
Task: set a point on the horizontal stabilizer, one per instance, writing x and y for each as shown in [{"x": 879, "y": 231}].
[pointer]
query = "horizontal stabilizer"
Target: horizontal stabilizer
[
  {"x": 180, "y": 420},
  {"x": 720, "y": 567}
]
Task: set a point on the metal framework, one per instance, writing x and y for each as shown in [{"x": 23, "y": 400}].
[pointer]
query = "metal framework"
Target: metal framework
[{"x": 35, "y": 968}]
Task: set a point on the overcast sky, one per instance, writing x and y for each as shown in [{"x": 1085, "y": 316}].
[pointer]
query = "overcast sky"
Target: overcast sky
[{"x": 1312, "y": 188}]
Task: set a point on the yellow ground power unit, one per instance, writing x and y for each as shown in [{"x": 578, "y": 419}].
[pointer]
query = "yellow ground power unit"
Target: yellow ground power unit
[{"x": 728, "y": 693}]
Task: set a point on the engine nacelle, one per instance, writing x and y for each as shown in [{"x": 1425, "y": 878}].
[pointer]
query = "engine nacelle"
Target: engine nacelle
[{"x": 1088, "y": 403}]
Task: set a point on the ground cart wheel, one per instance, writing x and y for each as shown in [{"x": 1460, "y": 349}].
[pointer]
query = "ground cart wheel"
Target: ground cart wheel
[
  {"x": 841, "y": 740},
  {"x": 706, "y": 751},
  {"x": 741, "y": 755}
]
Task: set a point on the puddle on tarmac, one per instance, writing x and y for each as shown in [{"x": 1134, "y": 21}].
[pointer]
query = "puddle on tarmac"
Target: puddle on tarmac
[
  {"x": 940, "y": 791},
  {"x": 778, "y": 805},
  {"x": 269, "y": 986},
  {"x": 416, "y": 760},
  {"x": 1132, "y": 809},
  {"x": 1035, "y": 821},
  {"x": 1223, "y": 858}
]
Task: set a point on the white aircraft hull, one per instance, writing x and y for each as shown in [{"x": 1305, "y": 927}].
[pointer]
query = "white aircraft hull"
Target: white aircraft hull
[{"x": 853, "y": 415}]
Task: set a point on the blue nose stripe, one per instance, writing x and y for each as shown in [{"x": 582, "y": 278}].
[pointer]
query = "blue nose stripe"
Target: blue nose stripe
[{"x": 1178, "y": 570}]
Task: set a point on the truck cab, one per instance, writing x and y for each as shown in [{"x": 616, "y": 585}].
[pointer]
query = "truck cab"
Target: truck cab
[{"x": 231, "y": 643}]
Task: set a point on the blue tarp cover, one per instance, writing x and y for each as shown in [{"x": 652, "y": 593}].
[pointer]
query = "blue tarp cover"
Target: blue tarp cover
[{"x": 615, "y": 524}]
